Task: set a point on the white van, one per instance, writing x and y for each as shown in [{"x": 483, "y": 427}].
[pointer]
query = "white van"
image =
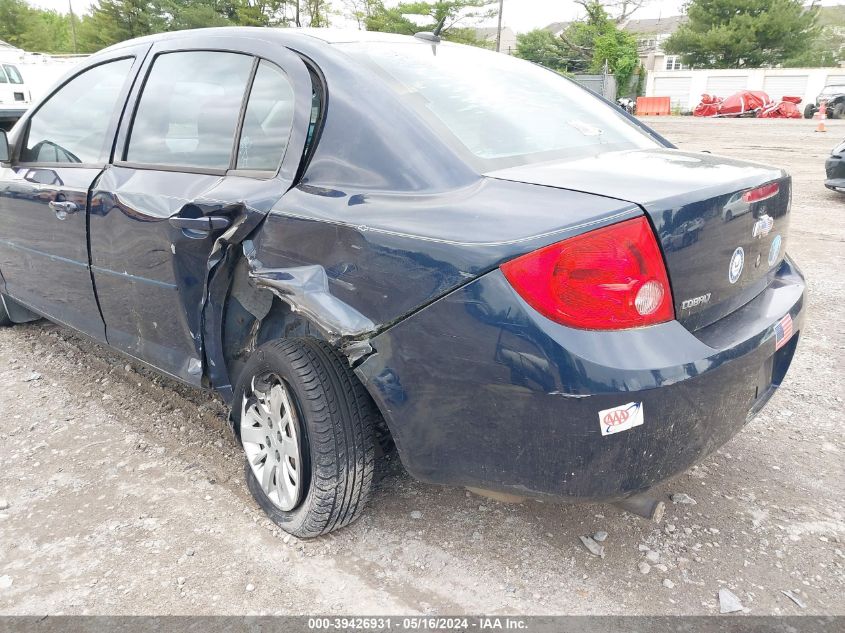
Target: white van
[{"x": 15, "y": 96}]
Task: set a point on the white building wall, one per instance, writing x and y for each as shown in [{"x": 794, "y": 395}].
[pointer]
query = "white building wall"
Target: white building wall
[{"x": 816, "y": 79}]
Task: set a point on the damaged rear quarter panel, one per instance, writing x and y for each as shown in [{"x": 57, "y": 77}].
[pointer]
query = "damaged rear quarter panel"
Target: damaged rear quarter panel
[
  {"x": 357, "y": 262},
  {"x": 387, "y": 218}
]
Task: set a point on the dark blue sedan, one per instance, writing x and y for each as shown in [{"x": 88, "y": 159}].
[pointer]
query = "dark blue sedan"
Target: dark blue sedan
[{"x": 362, "y": 238}]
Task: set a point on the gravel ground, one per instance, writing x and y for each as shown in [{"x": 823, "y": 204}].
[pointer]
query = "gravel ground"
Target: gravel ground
[{"x": 122, "y": 492}]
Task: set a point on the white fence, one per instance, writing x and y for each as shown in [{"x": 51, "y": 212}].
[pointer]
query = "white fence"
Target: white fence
[
  {"x": 604, "y": 85},
  {"x": 685, "y": 87}
]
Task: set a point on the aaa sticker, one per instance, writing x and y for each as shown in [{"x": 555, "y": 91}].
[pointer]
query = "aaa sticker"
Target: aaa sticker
[{"x": 621, "y": 418}]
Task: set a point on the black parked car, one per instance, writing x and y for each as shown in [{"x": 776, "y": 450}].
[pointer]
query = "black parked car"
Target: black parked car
[
  {"x": 352, "y": 235},
  {"x": 835, "y": 169},
  {"x": 835, "y": 97}
]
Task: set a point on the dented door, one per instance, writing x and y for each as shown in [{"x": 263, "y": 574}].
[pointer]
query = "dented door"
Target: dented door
[{"x": 195, "y": 163}]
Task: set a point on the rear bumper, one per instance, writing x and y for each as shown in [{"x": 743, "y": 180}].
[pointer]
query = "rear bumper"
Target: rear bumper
[
  {"x": 835, "y": 170},
  {"x": 480, "y": 390}
]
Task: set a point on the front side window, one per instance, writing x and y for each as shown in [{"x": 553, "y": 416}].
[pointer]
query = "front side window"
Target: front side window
[
  {"x": 189, "y": 110},
  {"x": 504, "y": 111},
  {"x": 268, "y": 120},
  {"x": 14, "y": 75},
  {"x": 72, "y": 126},
  {"x": 3, "y": 79}
]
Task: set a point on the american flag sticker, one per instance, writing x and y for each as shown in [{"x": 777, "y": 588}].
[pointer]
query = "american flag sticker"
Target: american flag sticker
[{"x": 783, "y": 332}]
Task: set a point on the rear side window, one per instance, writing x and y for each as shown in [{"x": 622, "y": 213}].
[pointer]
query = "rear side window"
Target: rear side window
[
  {"x": 3, "y": 79},
  {"x": 72, "y": 125},
  {"x": 14, "y": 75},
  {"x": 268, "y": 120},
  {"x": 502, "y": 110},
  {"x": 189, "y": 110}
]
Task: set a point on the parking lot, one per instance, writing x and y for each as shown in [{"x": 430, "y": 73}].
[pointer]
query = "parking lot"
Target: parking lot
[{"x": 122, "y": 493}]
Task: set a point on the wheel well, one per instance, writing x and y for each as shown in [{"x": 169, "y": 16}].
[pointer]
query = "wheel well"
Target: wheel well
[{"x": 253, "y": 316}]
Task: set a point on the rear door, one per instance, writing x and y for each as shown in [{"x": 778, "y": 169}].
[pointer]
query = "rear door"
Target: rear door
[
  {"x": 215, "y": 139},
  {"x": 59, "y": 151}
]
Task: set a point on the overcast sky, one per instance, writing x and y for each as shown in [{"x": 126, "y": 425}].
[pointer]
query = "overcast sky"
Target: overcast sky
[{"x": 520, "y": 15}]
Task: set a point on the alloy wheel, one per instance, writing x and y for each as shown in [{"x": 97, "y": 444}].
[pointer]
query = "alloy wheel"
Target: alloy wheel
[{"x": 270, "y": 436}]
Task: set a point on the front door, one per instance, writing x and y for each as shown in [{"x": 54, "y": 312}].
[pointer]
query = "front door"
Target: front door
[
  {"x": 58, "y": 153},
  {"x": 215, "y": 140}
]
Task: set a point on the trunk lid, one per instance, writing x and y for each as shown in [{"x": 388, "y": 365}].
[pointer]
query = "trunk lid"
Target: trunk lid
[{"x": 721, "y": 248}]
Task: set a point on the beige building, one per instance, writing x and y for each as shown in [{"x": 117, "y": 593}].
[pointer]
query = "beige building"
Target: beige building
[
  {"x": 508, "y": 42},
  {"x": 651, "y": 34}
]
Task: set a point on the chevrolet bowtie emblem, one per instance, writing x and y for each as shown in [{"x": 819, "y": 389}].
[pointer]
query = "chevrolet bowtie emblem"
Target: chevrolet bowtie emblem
[{"x": 763, "y": 225}]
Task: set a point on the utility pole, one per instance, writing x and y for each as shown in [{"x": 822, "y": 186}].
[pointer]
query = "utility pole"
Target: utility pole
[
  {"x": 72, "y": 25},
  {"x": 499, "y": 30}
]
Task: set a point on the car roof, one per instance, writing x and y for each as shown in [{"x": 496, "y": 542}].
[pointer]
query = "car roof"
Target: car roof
[
  {"x": 285, "y": 36},
  {"x": 343, "y": 36}
]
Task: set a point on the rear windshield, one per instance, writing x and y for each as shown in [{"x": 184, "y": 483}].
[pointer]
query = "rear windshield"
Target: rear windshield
[{"x": 500, "y": 110}]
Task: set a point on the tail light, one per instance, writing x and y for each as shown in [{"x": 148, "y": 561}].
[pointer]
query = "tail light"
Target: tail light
[
  {"x": 608, "y": 279},
  {"x": 761, "y": 193}
]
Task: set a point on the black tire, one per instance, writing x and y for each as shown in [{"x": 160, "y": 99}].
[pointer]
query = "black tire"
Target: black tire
[
  {"x": 337, "y": 421},
  {"x": 838, "y": 111},
  {"x": 5, "y": 321},
  {"x": 809, "y": 111}
]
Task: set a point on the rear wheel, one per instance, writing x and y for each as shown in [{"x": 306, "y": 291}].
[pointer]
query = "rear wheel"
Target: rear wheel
[
  {"x": 838, "y": 111},
  {"x": 809, "y": 111},
  {"x": 307, "y": 426}
]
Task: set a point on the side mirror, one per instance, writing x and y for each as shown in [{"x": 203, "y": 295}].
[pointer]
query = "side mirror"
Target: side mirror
[{"x": 5, "y": 152}]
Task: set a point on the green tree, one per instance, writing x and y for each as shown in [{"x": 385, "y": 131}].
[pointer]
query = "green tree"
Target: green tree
[
  {"x": 13, "y": 21},
  {"x": 258, "y": 12},
  {"x": 113, "y": 21},
  {"x": 542, "y": 47},
  {"x": 34, "y": 29},
  {"x": 181, "y": 14},
  {"x": 828, "y": 49},
  {"x": 48, "y": 32},
  {"x": 458, "y": 16},
  {"x": 743, "y": 33},
  {"x": 359, "y": 10},
  {"x": 280, "y": 12},
  {"x": 639, "y": 88},
  {"x": 317, "y": 12},
  {"x": 596, "y": 41}
]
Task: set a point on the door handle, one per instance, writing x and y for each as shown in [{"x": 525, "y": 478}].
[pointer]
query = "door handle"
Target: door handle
[
  {"x": 63, "y": 208},
  {"x": 204, "y": 224}
]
